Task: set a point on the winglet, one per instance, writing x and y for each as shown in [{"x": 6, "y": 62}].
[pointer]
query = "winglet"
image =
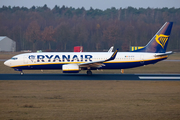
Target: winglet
[
  {"x": 111, "y": 49},
  {"x": 113, "y": 55}
]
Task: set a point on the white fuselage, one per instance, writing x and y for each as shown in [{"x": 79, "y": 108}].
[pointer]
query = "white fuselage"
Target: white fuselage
[{"x": 55, "y": 60}]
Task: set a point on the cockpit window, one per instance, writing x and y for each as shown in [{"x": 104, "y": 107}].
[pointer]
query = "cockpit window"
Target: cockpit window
[{"x": 14, "y": 58}]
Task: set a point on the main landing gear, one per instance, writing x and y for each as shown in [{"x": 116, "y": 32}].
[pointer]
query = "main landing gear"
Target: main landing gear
[{"x": 89, "y": 72}]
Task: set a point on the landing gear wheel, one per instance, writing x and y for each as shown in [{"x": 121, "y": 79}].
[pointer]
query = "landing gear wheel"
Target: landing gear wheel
[
  {"x": 89, "y": 72},
  {"x": 22, "y": 73}
]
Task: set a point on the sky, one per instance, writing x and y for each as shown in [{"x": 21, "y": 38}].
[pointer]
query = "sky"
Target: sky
[{"x": 99, "y": 4}]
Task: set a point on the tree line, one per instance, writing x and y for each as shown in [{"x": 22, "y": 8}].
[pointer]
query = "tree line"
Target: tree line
[{"x": 62, "y": 28}]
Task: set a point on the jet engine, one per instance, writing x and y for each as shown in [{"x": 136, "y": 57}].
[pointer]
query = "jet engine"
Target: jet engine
[{"x": 70, "y": 68}]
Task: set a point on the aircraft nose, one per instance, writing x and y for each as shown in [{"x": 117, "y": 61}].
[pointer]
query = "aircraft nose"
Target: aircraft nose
[{"x": 7, "y": 63}]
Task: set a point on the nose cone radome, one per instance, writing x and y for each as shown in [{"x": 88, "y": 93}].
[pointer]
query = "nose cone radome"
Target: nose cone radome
[{"x": 7, "y": 63}]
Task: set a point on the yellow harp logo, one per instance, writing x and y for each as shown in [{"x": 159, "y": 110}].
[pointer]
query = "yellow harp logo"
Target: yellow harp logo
[{"x": 161, "y": 39}]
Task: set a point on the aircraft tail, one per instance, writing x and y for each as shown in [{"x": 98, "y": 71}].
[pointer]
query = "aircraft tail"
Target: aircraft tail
[{"x": 159, "y": 42}]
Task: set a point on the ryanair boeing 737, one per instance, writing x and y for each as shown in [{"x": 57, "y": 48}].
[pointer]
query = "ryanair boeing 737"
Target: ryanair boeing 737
[{"x": 73, "y": 62}]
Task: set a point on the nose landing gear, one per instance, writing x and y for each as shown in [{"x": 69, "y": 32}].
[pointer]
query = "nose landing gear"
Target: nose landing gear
[{"x": 22, "y": 73}]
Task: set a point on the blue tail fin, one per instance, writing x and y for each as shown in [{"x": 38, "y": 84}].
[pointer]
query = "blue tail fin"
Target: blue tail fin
[{"x": 159, "y": 42}]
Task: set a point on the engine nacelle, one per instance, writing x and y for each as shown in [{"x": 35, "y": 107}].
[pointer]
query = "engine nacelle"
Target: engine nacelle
[{"x": 70, "y": 68}]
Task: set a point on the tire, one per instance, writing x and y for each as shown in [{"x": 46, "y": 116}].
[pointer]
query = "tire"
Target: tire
[{"x": 89, "y": 72}]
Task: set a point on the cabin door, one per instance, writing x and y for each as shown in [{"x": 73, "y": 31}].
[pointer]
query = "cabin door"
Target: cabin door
[{"x": 25, "y": 59}]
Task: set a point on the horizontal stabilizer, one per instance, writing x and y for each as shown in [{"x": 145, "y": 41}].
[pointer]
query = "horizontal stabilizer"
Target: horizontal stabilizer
[{"x": 164, "y": 54}]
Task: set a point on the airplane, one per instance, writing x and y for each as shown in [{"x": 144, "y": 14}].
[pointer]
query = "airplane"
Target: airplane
[
  {"x": 74, "y": 62},
  {"x": 111, "y": 49}
]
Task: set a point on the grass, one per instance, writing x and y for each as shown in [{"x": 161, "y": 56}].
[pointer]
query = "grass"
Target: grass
[
  {"x": 175, "y": 56},
  {"x": 89, "y": 100},
  {"x": 8, "y": 55}
]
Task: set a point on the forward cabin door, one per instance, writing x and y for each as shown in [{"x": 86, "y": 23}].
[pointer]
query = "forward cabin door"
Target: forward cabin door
[{"x": 25, "y": 59}]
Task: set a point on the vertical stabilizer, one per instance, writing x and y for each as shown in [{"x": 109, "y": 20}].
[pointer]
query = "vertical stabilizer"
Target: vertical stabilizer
[{"x": 159, "y": 42}]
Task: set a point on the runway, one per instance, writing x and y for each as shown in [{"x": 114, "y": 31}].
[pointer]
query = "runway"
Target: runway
[{"x": 173, "y": 77}]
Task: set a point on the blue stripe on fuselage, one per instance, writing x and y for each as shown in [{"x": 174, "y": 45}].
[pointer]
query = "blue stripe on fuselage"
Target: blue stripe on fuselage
[{"x": 120, "y": 65}]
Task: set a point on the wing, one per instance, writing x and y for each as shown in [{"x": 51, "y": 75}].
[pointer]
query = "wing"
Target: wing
[{"x": 98, "y": 63}]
